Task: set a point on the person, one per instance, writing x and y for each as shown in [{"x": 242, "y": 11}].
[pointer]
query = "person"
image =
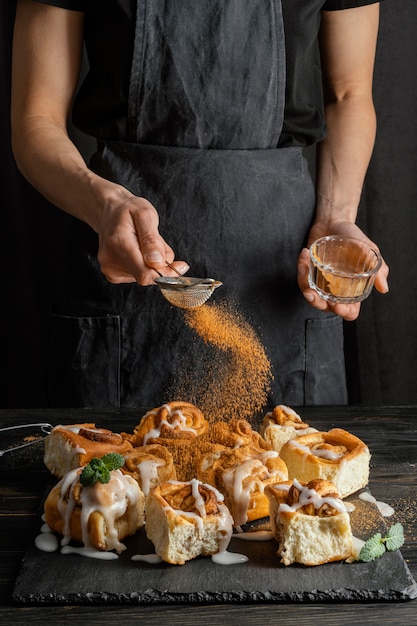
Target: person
[{"x": 202, "y": 112}]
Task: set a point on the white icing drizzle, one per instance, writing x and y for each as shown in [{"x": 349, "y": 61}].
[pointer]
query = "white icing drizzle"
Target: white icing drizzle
[
  {"x": 76, "y": 428},
  {"x": 225, "y": 521},
  {"x": 47, "y": 542},
  {"x": 78, "y": 450},
  {"x": 73, "y": 429},
  {"x": 385, "y": 509},
  {"x": 242, "y": 480},
  {"x": 310, "y": 496},
  {"x": 179, "y": 421},
  {"x": 321, "y": 453},
  {"x": 92, "y": 553},
  {"x": 148, "y": 471},
  {"x": 255, "y": 535},
  {"x": 282, "y": 486},
  {"x": 151, "y": 559},
  {"x": 229, "y": 558},
  {"x": 220, "y": 558},
  {"x": 287, "y": 410},
  {"x": 357, "y": 545},
  {"x": 239, "y": 489},
  {"x": 295, "y": 418},
  {"x": 111, "y": 500}
]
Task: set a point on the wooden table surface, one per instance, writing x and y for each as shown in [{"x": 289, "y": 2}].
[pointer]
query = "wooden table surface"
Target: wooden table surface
[{"x": 391, "y": 434}]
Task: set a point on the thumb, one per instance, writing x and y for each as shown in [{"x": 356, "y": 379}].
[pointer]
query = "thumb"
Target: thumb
[{"x": 153, "y": 256}]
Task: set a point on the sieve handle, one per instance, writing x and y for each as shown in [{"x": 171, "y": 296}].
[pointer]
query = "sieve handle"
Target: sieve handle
[{"x": 44, "y": 427}]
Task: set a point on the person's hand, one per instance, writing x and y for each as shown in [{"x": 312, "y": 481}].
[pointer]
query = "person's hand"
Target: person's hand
[
  {"x": 347, "y": 311},
  {"x": 130, "y": 246}
]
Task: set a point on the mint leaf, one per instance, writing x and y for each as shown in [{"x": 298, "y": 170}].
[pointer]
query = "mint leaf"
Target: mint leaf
[
  {"x": 395, "y": 537},
  {"x": 376, "y": 545},
  {"x": 88, "y": 476},
  {"x": 372, "y": 549},
  {"x": 103, "y": 475},
  {"x": 113, "y": 460},
  {"x": 99, "y": 470}
]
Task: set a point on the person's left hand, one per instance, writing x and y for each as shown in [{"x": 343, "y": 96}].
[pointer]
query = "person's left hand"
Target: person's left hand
[{"x": 351, "y": 311}]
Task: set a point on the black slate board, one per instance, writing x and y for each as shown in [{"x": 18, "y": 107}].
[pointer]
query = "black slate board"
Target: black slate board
[{"x": 52, "y": 578}]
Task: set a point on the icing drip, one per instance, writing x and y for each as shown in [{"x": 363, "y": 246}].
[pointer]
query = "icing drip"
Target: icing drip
[
  {"x": 327, "y": 454},
  {"x": 310, "y": 496},
  {"x": 242, "y": 480},
  {"x": 179, "y": 421},
  {"x": 148, "y": 471},
  {"x": 111, "y": 500},
  {"x": 385, "y": 509},
  {"x": 225, "y": 521}
]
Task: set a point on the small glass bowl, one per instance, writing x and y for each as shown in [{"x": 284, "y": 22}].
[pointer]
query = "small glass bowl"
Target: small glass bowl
[{"x": 343, "y": 269}]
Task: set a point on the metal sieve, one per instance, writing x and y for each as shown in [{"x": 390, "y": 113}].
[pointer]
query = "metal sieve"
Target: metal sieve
[
  {"x": 14, "y": 437},
  {"x": 185, "y": 292}
]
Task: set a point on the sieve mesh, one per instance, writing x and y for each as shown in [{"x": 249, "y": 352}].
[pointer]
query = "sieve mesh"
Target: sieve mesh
[{"x": 187, "y": 293}]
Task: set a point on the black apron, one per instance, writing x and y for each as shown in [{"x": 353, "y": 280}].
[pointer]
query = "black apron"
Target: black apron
[{"x": 206, "y": 108}]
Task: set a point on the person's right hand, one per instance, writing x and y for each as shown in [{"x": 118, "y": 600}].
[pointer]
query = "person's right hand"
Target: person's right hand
[{"x": 130, "y": 246}]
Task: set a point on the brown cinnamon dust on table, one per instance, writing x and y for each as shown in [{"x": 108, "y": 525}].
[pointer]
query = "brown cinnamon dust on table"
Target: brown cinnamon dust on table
[{"x": 238, "y": 375}]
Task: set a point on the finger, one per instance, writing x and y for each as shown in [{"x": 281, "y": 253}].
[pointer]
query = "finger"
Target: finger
[
  {"x": 349, "y": 312},
  {"x": 118, "y": 279},
  {"x": 381, "y": 280},
  {"x": 303, "y": 269},
  {"x": 152, "y": 245}
]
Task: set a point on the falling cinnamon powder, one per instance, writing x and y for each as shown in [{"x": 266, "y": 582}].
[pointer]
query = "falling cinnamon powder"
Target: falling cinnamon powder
[{"x": 238, "y": 375}]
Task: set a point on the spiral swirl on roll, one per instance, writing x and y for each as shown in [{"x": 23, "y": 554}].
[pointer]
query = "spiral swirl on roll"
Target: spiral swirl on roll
[
  {"x": 336, "y": 455},
  {"x": 174, "y": 420},
  {"x": 235, "y": 434},
  {"x": 149, "y": 466}
]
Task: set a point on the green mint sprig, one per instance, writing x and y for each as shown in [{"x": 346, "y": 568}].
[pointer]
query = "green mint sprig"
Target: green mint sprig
[
  {"x": 377, "y": 544},
  {"x": 98, "y": 470}
]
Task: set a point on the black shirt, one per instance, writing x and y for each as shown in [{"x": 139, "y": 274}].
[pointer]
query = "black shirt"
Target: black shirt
[{"x": 100, "y": 108}]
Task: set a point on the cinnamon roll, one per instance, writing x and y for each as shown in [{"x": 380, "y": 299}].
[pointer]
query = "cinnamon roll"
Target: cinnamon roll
[
  {"x": 174, "y": 420},
  {"x": 282, "y": 424},
  {"x": 336, "y": 455},
  {"x": 100, "y": 516},
  {"x": 310, "y": 522},
  {"x": 149, "y": 466},
  {"x": 187, "y": 519},
  {"x": 72, "y": 446},
  {"x": 241, "y": 475}
]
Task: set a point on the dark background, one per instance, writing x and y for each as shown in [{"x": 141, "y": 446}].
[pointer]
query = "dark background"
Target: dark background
[{"x": 381, "y": 346}]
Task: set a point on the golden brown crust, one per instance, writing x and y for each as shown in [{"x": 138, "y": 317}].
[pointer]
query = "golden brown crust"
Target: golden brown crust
[
  {"x": 241, "y": 475},
  {"x": 64, "y": 510},
  {"x": 187, "y": 519},
  {"x": 181, "y": 497},
  {"x": 173, "y": 420},
  {"x": 236, "y": 433},
  {"x": 336, "y": 455},
  {"x": 284, "y": 416},
  {"x": 335, "y": 444},
  {"x": 309, "y": 522},
  {"x": 281, "y": 425},
  {"x": 324, "y": 488},
  {"x": 150, "y": 465},
  {"x": 71, "y": 446}
]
